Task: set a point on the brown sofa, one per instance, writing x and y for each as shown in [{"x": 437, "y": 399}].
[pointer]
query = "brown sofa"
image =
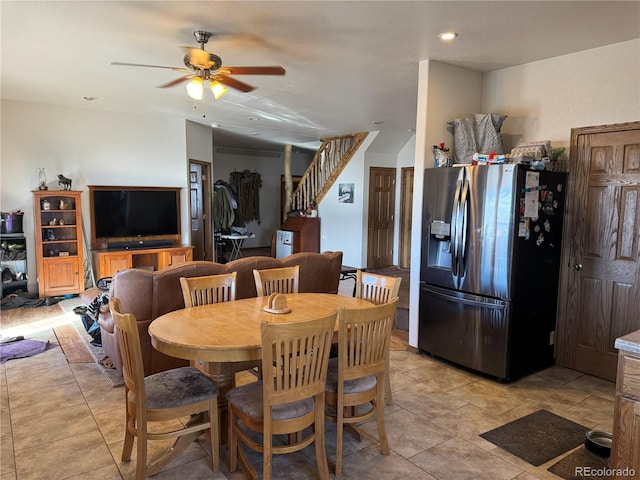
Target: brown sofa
[{"x": 148, "y": 294}]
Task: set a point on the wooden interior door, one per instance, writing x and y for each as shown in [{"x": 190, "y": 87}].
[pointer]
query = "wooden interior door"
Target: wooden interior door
[
  {"x": 602, "y": 267},
  {"x": 406, "y": 210},
  {"x": 200, "y": 189},
  {"x": 382, "y": 203}
]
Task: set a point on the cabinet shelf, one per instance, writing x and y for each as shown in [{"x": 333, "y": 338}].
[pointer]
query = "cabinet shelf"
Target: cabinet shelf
[
  {"x": 13, "y": 256},
  {"x": 59, "y": 274}
]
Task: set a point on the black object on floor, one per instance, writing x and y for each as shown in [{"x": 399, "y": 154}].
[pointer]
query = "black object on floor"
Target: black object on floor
[
  {"x": 581, "y": 464},
  {"x": 538, "y": 437}
]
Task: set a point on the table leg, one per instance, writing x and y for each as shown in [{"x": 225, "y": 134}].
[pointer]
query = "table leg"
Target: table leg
[{"x": 223, "y": 375}]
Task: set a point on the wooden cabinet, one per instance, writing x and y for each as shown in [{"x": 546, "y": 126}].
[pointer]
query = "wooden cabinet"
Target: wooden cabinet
[
  {"x": 306, "y": 237},
  {"x": 108, "y": 262},
  {"x": 58, "y": 235},
  {"x": 625, "y": 454}
]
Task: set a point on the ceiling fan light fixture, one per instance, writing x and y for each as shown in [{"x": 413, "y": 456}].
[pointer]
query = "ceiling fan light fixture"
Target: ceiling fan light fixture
[
  {"x": 195, "y": 88},
  {"x": 217, "y": 89}
]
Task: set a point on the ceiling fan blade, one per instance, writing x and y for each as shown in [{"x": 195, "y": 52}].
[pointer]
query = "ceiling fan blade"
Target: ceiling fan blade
[
  {"x": 124, "y": 64},
  {"x": 177, "y": 81},
  {"x": 272, "y": 70},
  {"x": 233, "y": 83}
]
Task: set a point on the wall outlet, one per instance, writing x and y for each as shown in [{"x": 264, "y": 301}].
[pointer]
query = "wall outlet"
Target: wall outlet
[
  {"x": 552, "y": 337},
  {"x": 324, "y": 236}
]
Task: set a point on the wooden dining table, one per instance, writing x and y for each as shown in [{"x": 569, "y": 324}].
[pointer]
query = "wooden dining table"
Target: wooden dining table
[{"x": 224, "y": 338}]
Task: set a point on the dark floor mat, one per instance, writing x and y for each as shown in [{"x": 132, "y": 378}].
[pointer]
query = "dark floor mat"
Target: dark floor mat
[
  {"x": 581, "y": 464},
  {"x": 539, "y": 437}
]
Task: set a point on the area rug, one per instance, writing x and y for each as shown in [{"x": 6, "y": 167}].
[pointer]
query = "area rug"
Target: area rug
[
  {"x": 581, "y": 464},
  {"x": 23, "y": 348},
  {"x": 538, "y": 437}
]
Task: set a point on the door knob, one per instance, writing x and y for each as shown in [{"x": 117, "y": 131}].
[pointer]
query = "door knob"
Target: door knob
[{"x": 577, "y": 266}]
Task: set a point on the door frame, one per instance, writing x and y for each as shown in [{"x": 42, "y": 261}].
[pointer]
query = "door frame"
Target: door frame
[
  {"x": 207, "y": 196},
  {"x": 406, "y": 209},
  {"x": 572, "y": 213}
]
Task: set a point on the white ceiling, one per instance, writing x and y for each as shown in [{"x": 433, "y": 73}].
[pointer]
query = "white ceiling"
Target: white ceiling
[{"x": 348, "y": 63}]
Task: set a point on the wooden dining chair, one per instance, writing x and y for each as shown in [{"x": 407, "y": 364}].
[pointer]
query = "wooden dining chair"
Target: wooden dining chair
[
  {"x": 290, "y": 398},
  {"x": 277, "y": 280},
  {"x": 208, "y": 289},
  {"x": 165, "y": 396},
  {"x": 378, "y": 289},
  {"x": 355, "y": 379}
]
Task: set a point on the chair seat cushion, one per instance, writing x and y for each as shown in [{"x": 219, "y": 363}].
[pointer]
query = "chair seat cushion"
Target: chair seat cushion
[
  {"x": 356, "y": 385},
  {"x": 179, "y": 386},
  {"x": 248, "y": 399}
]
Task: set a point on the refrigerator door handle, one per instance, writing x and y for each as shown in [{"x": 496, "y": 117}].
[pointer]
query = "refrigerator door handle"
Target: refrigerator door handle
[
  {"x": 464, "y": 200},
  {"x": 495, "y": 304},
  {"x": 454, "y": 232}
]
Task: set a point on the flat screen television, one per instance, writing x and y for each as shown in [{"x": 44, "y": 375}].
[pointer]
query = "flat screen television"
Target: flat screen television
[{"x": 122, "y": 212}]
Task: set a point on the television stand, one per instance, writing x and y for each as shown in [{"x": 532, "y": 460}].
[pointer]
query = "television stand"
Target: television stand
[{"x": 107, "y": 262}]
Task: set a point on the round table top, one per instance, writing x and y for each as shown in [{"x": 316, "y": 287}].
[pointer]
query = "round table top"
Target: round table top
[{"x": 230, "y": 331}]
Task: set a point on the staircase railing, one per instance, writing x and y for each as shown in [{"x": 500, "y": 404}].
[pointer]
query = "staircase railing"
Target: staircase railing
[{"x": 328, "y": 162}]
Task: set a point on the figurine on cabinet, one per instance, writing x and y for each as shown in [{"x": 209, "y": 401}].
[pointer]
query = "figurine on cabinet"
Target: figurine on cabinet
[{"x": 64, "y": 181}]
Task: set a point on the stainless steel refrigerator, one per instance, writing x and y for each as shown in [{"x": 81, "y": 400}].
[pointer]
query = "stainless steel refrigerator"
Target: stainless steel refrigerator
[{"x": 491, "y": 244}]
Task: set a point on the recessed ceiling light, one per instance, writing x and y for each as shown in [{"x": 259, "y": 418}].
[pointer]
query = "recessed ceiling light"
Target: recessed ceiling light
[
  {"x": 254, "y": 118},
  {"x": 447, "y": 35},
  {"x": 255, "y": 134}
]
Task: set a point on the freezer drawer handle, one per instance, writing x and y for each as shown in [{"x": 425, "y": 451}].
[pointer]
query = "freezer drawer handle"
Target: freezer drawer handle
[{"x": 497, "y": 304}]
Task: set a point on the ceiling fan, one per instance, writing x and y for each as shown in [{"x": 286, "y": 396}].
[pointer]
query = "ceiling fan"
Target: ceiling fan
[{"x": 202, "y": 66}]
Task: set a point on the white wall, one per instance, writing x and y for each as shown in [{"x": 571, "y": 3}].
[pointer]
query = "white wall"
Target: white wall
[
  {"x": 199, "y": 142},
  {"x": 343, "y": 226},
  {"x": 544, "y": 100},
  {"x": 445, "y": 93},
  {"x": 91, "y": 148}
]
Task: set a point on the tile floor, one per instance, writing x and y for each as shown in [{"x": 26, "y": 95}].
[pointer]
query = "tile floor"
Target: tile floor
[{"x": 61, "y": 421}]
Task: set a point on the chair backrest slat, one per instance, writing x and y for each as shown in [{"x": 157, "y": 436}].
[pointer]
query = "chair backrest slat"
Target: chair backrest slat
[
  {"x": 363, "y": 339},
  {"x": 130, "y": 349},
  {"x": 376, "y": 288},
  {"x": 277, "y": 280},
  {"x": 208, "y": 289},
  {"x": 299, "y": 355}
]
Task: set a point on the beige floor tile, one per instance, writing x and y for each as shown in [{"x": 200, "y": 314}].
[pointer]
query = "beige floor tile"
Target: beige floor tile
[
  {"x": 156, "y": 448},
  {"x": 369, "y": 464},
  {"x": 468, "y": 422},
  {"x": 441, "y": 378},
  {"x": 104, "y": 398},
  {"x": 110, "y": 472},
  {"x": 490, "y": 396},
  {"x": 33, "y": 402},
  {"x": 89, "y": 376},
  {"x": 408, "y": 434},
  {"x": 81, "y": 454},
  {"x": 7, "y": 463},
  {"x": 423, "y": 402},
  {"x": 595, "y": 410},
  {"x": 459, "y": 459},
  {"x": 112, "y": 424},
  {"x": 34, "y": 430}
]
